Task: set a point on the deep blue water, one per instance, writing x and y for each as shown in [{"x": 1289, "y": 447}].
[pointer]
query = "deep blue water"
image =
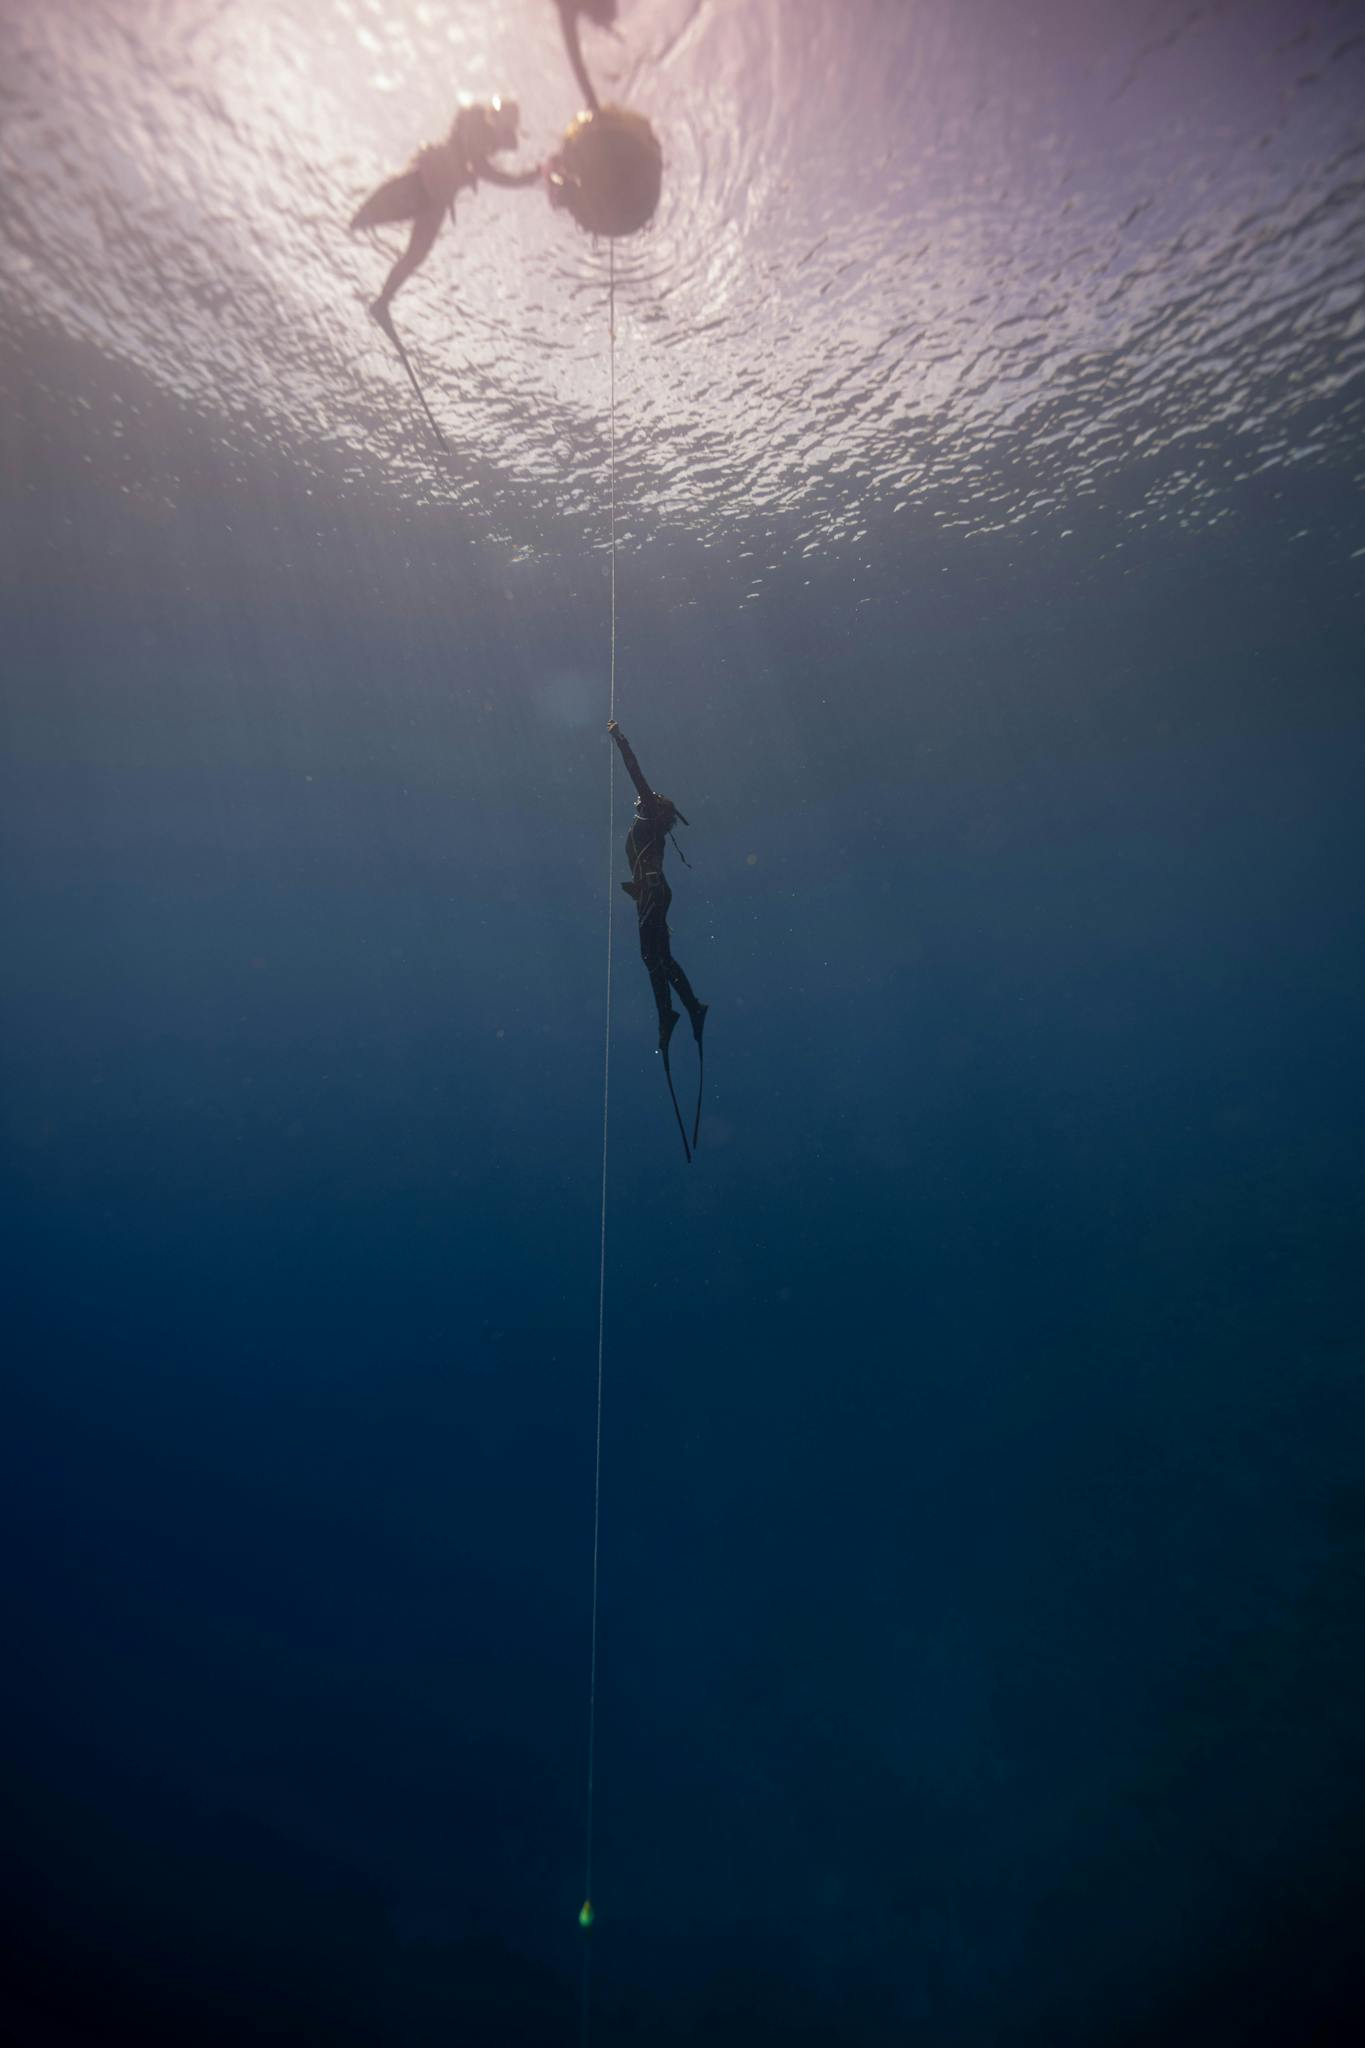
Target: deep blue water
[{"x": 983, "y": 1515}]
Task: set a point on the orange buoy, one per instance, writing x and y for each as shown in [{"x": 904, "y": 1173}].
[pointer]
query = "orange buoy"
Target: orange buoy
[{"x": 608, "y": 171}]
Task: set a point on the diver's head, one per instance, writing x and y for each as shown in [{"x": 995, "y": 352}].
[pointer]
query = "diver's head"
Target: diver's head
[
  {"x": 488, "y": 125},
  {"x": 506, "y": 122},
  {"x": 661, "y": 811}
]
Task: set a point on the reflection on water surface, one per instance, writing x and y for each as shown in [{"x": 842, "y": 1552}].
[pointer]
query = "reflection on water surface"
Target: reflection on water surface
[{"x": 980, "y": 261}]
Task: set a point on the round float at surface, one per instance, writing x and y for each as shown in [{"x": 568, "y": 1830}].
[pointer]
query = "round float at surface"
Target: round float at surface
[{"x": 608, "y": 171}]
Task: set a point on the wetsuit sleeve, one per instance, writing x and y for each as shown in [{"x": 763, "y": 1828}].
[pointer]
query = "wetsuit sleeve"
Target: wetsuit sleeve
[
  {"x": 497, "y": 177},
  {"x": 632, "y": 765}
]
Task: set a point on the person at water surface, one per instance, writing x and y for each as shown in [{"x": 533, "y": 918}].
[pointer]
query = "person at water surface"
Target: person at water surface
[{"x": 426, "y": 191}]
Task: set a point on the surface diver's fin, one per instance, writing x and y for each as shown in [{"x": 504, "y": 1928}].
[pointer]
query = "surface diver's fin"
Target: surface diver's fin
[{"x": 383, "y": 318}]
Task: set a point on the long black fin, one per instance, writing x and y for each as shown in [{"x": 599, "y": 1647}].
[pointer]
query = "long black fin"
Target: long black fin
[
  {"x": 386, "y": 322},
  {"x": 701, "y": 1076},
  {"x": 682, "y": 1128}
]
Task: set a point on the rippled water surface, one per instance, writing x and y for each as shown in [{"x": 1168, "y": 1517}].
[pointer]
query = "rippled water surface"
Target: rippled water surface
[{"x": 975, "y": 260}]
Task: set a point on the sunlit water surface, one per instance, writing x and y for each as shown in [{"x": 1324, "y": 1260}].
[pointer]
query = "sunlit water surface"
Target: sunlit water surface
[{"x": 975, "y": 262}]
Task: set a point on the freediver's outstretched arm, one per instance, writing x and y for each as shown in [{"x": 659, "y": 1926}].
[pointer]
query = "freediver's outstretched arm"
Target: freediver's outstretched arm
[
  {"x": 603, "y": 12},
  {"x": 633, "y": 768},
  {"x": 493, "y": 176}
]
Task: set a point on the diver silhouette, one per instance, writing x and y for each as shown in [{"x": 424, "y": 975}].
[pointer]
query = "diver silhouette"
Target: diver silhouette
[
  {"x": 655, "y": 817},
  {"x": 426, "y": 191},
  {"x": 603, "y": 14}
]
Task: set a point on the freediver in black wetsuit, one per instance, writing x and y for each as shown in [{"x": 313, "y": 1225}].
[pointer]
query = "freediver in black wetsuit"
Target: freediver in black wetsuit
[{"x": 655, "y": 817}]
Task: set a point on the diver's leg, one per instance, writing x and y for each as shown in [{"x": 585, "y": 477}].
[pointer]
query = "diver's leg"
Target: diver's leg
[
  {"x": 425, "y": 229},
  {"x": 696, "y": 1009},
  {"x": 668, "y": 1016},
  {"x": 400, "y": 198},
  {"x": 654, "y": 953}
]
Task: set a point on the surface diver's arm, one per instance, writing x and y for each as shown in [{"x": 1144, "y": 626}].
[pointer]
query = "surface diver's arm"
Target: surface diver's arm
[
  {"x": 510, "y": 178},
  {"x": 633, "y": 768}
]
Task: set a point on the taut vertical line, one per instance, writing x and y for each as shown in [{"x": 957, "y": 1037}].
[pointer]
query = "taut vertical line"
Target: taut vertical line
[{"x": 586, "y": 1913}]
